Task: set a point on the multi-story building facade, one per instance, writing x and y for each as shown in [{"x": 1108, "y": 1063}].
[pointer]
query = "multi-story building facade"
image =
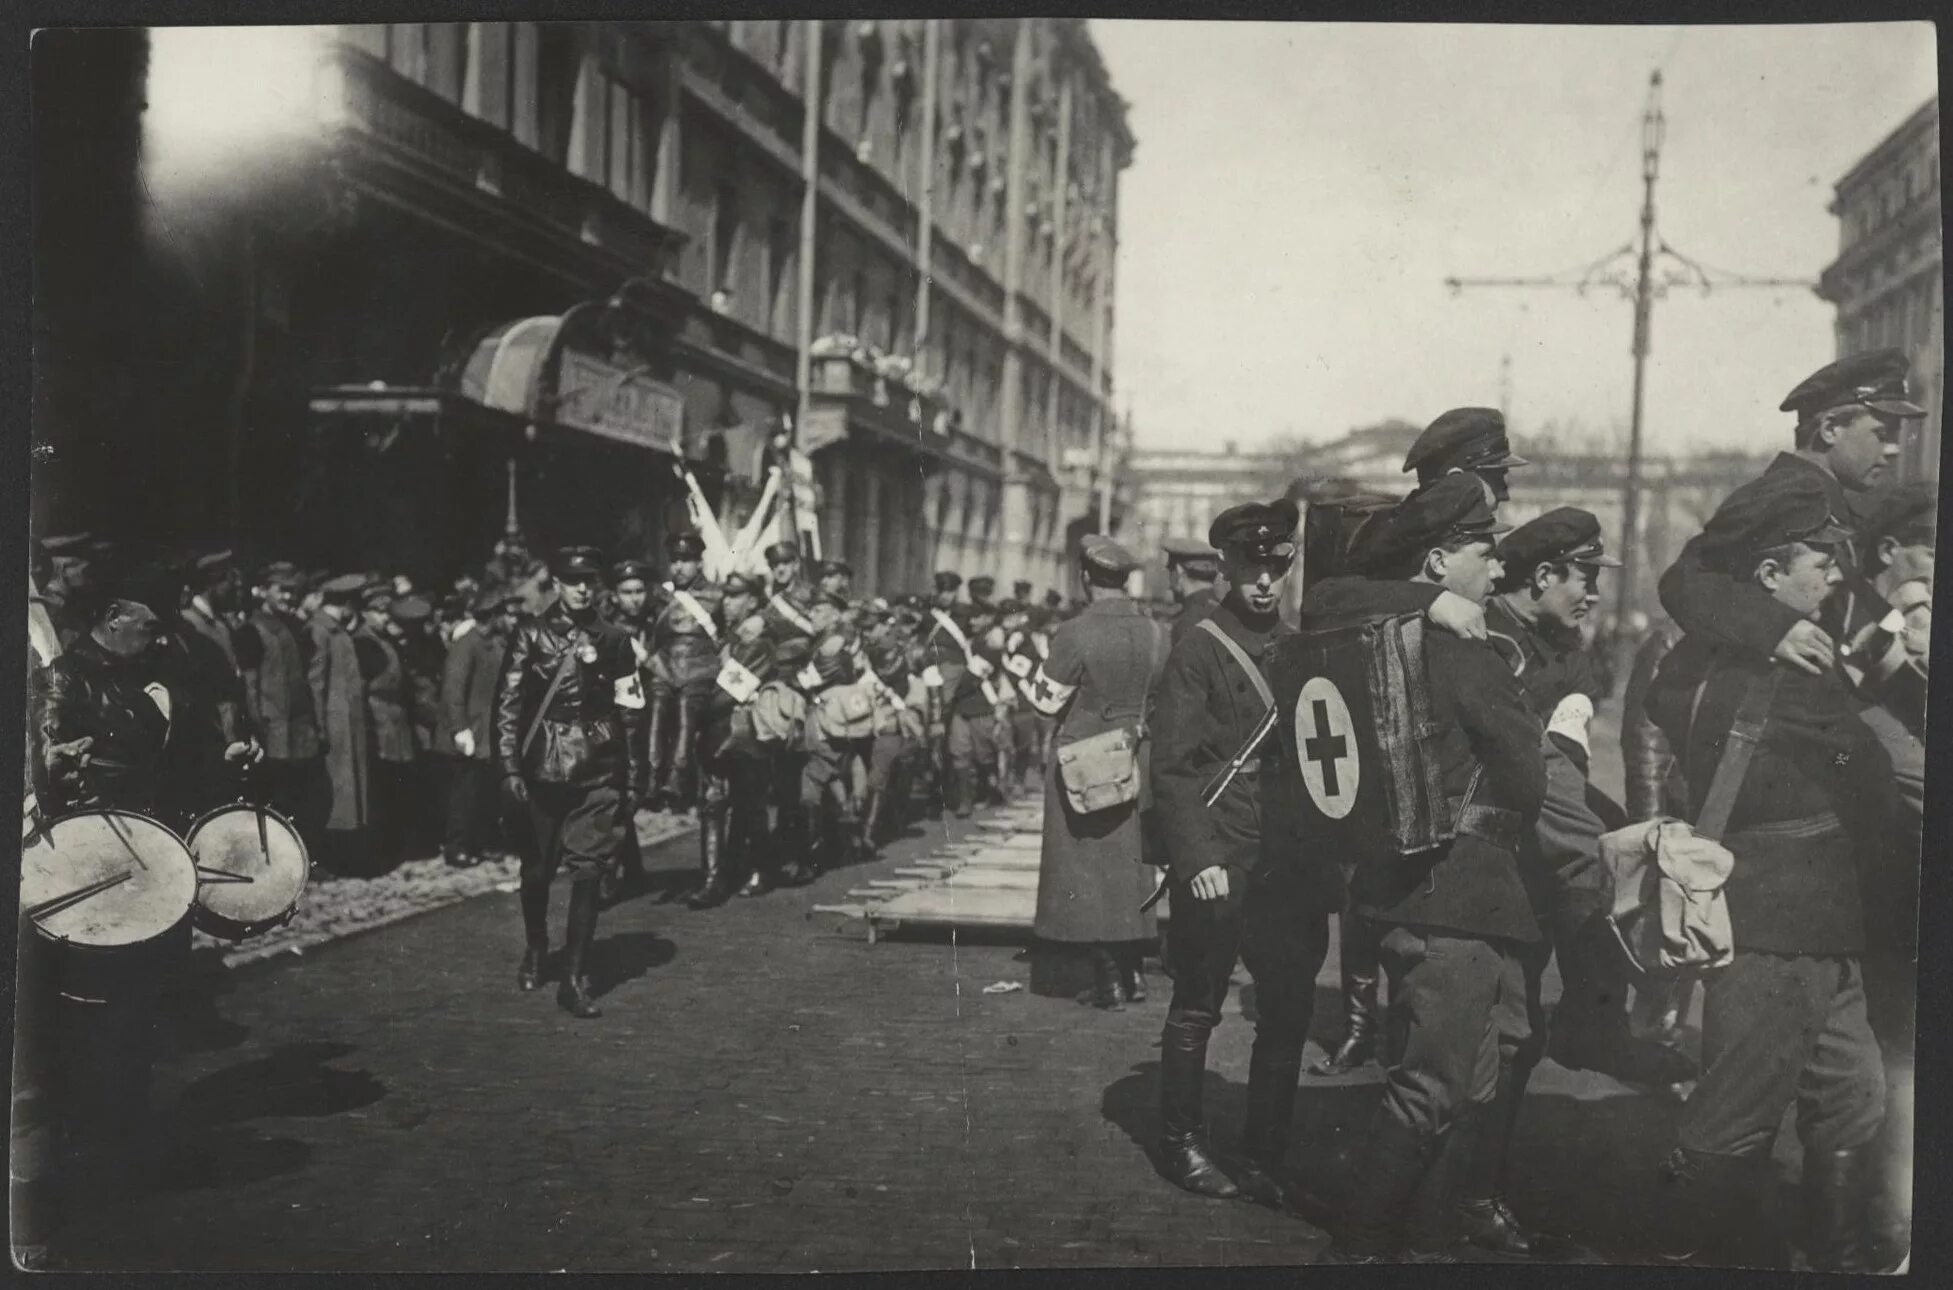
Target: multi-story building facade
[
  {"x": 1887, "y": 281},
  {"x": 531, "y": 267}
]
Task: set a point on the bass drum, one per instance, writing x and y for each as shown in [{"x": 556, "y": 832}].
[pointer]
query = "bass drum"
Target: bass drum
[
  {"x": 251, "y": 869},
  {"x": 107, "y": 894}
]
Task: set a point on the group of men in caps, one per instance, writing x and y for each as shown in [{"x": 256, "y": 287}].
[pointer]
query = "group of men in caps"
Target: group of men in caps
[{"x": 1812, "y": 577}]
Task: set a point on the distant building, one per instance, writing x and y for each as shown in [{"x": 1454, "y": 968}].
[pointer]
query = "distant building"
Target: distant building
[
  {"x": 1886, "y": 281},
  {"x": 1179, "y": 493}
]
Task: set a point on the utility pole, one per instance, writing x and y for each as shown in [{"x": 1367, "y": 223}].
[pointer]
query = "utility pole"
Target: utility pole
[
  {"x": 1505, "y": 387},
  {"x": 1644, "y": 289},
  {"x": 811, "y": 100}
]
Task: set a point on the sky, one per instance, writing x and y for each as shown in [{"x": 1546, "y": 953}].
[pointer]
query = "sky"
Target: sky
[{"x": 1300, "y": 191}]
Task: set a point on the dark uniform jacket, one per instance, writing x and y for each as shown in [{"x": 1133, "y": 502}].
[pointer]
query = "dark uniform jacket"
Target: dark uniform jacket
[
  {"x": 389, "y": 702},
  {"x": 967, "y": 698},
  {"x": 682, "y": 651},
  {"x": 1645, "y": 753},
  {"x": 91, "y": 693},
  {"x": 1796, "y": 887},
  {"x": 787, "y": 610},
  {"x": 582, "y": 738},
  {"x": 468, "y": 678},
  {"x": 1548, "y": 670},
  {"x": 1205, "y": 709},
  {"x": 1472, "y": 886},
  {"x": 1704, "y": 601},
  {"x": 276, "y": 692},
  {"x": 1194, "y": 608}
]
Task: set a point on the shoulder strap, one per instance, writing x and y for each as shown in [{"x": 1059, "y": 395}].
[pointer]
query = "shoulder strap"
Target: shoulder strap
[
  {"x": 696, "y": 610},
  {"x": 788, "y": 612},
  {"x": 1209, "y": 626},
  {"x": 563, "y": 670},
  {"x": 1744, "y": 734}
]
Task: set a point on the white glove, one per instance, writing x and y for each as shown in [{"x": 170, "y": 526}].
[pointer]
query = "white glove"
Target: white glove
[{"x": 465, "y": 741}]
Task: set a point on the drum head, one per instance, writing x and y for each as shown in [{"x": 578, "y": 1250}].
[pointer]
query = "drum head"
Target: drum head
[
  {"x": 106, "y": 879},
  {"x": 251, "y": 865}
]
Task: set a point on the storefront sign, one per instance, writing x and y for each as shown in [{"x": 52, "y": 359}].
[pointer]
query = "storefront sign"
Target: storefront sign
[{"x": 619, "y": 403}]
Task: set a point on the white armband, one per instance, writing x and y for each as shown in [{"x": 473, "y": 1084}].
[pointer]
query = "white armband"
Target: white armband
[
  {"x": 1049, "y": 696},
  {"x": 627, "y": 691}
]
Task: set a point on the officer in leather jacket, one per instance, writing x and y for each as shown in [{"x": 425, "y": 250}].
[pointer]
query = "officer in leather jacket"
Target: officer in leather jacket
[{"x": 566, "y": 718}]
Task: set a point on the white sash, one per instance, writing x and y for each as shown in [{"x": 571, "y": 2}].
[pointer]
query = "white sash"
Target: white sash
[
  {"x": 697, "y": 611},
  {"x": 788, "y": 612},
  {"x": 948, "y": 624}
]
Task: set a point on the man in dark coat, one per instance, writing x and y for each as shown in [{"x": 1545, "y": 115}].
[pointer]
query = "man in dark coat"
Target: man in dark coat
[
  {"x": 1851, "y": 416},
  {"x": 273, "y": 660},
  {"x": 1242, "y": 884},
  {"x": 1092, "y": 881},
  {"x": 465, "y": 733},
  {"x": 1192, "y": 568},
  {"x": 565, "y": 713},
  {"x": 1456, "y": 919},
  {"x": 210, "y": 720},
  {"x": 339, "y": 697},
  {"x": 389, "y": 719},
  {"x": 1816, "y": 814}
]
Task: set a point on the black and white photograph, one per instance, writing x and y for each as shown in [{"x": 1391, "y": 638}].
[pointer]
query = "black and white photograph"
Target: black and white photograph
[{"x": 945, "y": 644}]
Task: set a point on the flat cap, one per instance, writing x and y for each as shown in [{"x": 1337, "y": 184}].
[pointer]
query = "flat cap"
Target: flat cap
[
  {"x": 345, "y": 586},
  {"x": 625, "y": 570},
  {"x": 740, "y": 583},
  {"x": 376, "y": 595},
  {"x": 1054, "y": 599},
  {"x": 281, "y": 573},
  {"x": 1256, "y": 530},
  {"x": 1774, "y": 509},
  {"x": 1102, "y": 553},
  {"x": 1194, "y": 556},
  {"x": 687, "y": 545},
  {"x": 577, "y": 564},
  {"x": 1450, "y": 508},
  {"x": 841, "y": 567},
  {"x": 1021, "y": 589},
  {"x": 411, "y": 609},
  {"x": 1462, "y": 439},
  {"x": 948, "y": 580},
  {"x": 1902, "y": 510},
  {"x": 982, "y": 585},
  {"x": 1012, "y": 606},
  {"x": 781, "y": 552},
  {"x": 1564, "y": 535},
  {"x": 1875, "y": 379}
]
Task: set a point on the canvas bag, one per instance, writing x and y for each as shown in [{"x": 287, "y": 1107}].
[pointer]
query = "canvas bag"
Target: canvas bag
[
  {"x": 1101, "y": 771},
  {"x": 1670, "y": 914}
]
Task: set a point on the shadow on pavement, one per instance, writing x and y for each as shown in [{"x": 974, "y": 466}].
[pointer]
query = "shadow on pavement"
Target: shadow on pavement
[
  {"x": 626, "y": 956},
  {"x": 293, "y": 1081}
]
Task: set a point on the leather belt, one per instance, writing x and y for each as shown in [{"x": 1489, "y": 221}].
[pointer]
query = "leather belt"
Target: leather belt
[{"x": 1495, "y": 824}]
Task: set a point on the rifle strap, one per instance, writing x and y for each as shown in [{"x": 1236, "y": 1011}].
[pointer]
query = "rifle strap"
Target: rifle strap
[
  {"x": 1240, "y": 656},
  {"x": 563, "y": 670},
  {"x": 1745, "y": 732}
]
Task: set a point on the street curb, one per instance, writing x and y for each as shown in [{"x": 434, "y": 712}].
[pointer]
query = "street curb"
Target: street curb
[{"x": 278, "y": 943}]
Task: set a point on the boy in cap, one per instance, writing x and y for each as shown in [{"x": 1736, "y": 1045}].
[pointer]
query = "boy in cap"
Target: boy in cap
[
  {"x": 565, "y": 720},
  {"x": 791, "y": 596},
  {"x": 982, "y": 589},
  {"x": 1455, "y": 919},
  {"x": 1092, "y": 884},
  {"x": 736, "y": 772},
  {"x": 1192, "y": 568},
  {"x": 279, "y": 700},
  {"x": 1465, "y": 440},
  {"x": 1240, "y": 887},
  {"x": 339, "y": 697},
  {"x": 464, "y": 733},
  {"x": 1851, "y": 417},
  {"x": 1817, "y": 809},
  {"x": 683, "y": 640},
  {"x": 836, "y": 578}
]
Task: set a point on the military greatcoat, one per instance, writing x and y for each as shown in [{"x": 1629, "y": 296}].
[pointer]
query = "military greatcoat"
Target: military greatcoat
[{"x": 1091, "y": 881}]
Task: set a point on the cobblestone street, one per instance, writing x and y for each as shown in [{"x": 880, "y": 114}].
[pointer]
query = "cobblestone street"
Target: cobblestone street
[{"x": 765, "y": 1091}]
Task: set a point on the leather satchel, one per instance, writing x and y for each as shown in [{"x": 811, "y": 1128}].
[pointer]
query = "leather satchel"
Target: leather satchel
[
  {"x": 1670, "y": 915},
  {"x": 1101, "y": 771}
]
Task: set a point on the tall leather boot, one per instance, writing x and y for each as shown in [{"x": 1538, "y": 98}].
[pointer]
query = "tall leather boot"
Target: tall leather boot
[
  {"x": 657, "y": 765},
  {"x": 574, "y": 994},
  {"x": 957, "y": 789},
  {"x": 1105, "y": 992},
  {"x": 1479, "y": 1208},
  {"x": 1359, "y": 1044},
  {"x": 871, "y": 829},
  {"x": 712, "y": 859},
  {"x": 1834, "y": 1192},
  {"x": 1183, "y": 1071},
  {"x": 1388, "y": 1176},
  {"x": 1706, "y": 1211},
  {"x": 535, "y": 933},
  {"x": 1274, "y": 1069},
  {"x": 683, "y": 793}
]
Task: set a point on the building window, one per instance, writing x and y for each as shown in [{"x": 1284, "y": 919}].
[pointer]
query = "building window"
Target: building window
[
  {"x": 725, "y": 237},
  {"x": 556, "y": 76},
  {"x": 500, "y": 81}
]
